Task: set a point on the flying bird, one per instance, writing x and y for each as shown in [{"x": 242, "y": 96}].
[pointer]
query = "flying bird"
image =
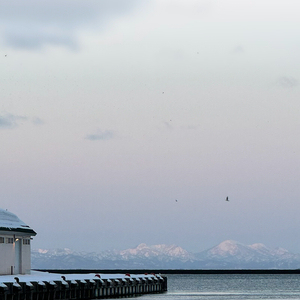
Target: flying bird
[
  {"x": 176, "y": 200},
  {"x": 227, "y": 199}
]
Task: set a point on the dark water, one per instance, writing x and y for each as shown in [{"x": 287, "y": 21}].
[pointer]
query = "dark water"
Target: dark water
[{"x": 230, "y": 286}]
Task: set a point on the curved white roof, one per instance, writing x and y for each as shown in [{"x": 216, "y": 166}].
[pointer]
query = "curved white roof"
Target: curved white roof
[{"x": 10, "y": 222}]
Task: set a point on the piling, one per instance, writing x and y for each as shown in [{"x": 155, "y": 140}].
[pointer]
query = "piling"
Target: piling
[{"x": 49, "y": 286}]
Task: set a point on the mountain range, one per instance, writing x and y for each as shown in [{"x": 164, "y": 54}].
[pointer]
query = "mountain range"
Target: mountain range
[{"x": 227, "y": 255}]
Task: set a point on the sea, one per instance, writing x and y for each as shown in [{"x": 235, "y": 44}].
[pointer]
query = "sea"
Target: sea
[{"x": 230, "y": 286}]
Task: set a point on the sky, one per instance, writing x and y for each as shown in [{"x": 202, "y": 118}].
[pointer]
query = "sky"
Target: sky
[{"x": 112, "y": 109}]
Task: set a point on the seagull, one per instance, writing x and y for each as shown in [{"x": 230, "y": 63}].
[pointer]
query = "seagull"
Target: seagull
[{"x": 227, "y": 199}]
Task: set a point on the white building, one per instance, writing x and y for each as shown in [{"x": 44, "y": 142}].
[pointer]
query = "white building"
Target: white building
[{"x": 15, "y": 249}]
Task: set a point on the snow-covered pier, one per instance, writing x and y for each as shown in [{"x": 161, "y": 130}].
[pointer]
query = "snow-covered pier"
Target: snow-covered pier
[{"x": 49, "y": 286}]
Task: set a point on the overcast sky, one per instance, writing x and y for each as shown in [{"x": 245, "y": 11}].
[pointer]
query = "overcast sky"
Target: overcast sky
[{"x": 112, "y": 109}]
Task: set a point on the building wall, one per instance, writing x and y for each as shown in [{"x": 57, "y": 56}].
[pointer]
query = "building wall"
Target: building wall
[
  {"x": 14, "y": 259},
  {"x": 7, "y": 253},
  {"x": 26, "y": 255}
]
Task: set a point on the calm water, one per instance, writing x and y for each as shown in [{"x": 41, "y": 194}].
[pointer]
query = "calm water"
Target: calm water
[{"x": 230, "y": 286}]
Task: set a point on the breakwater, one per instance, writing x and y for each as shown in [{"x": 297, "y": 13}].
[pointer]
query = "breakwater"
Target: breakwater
[
  {"x": 176, "y": 271},
  {"x": 52, "y": 286}
]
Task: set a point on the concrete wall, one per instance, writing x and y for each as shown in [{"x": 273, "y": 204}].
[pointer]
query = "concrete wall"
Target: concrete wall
[
  {"x": 26, "y": 258},
  {"x": 15, "y": 257},
  {"x": 7, "y": 256}
]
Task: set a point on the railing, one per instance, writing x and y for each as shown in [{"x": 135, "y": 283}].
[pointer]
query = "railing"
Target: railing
[{"x": 88, "y": 287}]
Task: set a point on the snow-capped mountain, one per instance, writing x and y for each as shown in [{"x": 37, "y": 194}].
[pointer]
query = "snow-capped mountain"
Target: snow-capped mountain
[
  {"x": 143, "y": 256},
  {"x": 227, "y": 255},
  {"x": 159, "y": 251},
  {"x": 232, "y": 254}
]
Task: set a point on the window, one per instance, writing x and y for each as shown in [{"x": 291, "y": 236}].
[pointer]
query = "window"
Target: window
[
  {"x": 26, "y": 241},
  {"x": 9, "y": 240},
  {"x": 1, "y": 240}
]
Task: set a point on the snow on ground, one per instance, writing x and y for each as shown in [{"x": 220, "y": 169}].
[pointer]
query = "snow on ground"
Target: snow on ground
[{"x": 37, "y": 276}]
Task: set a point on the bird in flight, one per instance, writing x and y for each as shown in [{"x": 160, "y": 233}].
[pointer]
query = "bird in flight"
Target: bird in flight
[
  {"x": 227, "y": 199},
  {"x": 176, "y": 200}
]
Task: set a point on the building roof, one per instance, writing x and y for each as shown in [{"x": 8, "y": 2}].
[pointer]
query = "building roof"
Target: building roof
[{"x": 10, "y": 222}]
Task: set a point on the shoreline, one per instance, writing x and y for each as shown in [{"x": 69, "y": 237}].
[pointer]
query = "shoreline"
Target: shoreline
[{"x": 173, "y": 271}]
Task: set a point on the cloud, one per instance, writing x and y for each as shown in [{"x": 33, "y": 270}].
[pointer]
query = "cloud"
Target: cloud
[
  {"x": 11, "y": 121},
  {"x": 287, "y": 82},
  {"x": 37, "y": 121},
  {"x": 168, "y": 125},
  {"x": 101, "y": 135},
  {"x": 189, "y": 127},
  {"x": 190, "y": 8},
  {"x": 32, "y": 24},
  {"x": 36, "y": 37},
  {"x": 238, "y": 50}
]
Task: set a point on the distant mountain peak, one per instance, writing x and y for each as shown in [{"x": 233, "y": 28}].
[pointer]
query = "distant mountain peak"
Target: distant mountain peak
[
  {"x": 258, "y": 246},
  {"x": 141, "y": 246},
  {"x": 44, "y": 251},
  {"x": 280, "y": 251},
  {"x": 143, "y": 250},
  {"x": 228, "y": 244},
  {"x": 228, "y": 247},
  {"x": 228, "y": 254}
]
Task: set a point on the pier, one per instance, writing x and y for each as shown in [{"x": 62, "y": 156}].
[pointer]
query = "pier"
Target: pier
[{"x": 50, "y": 286}]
